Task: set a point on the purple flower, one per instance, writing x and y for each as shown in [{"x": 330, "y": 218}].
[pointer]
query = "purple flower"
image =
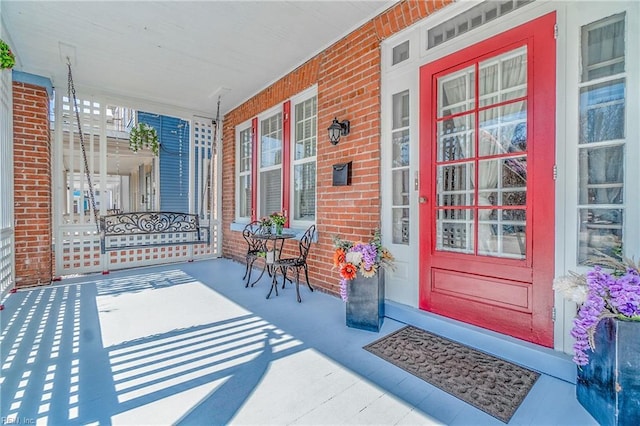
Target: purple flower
[
  {"x": 343, "y": 289},
  {"x": 369, "y": 254},
  {"x": 607, "y": 296}
]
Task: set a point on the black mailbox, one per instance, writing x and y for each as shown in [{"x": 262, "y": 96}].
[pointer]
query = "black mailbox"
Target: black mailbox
[{"x": 342, "y": 174}]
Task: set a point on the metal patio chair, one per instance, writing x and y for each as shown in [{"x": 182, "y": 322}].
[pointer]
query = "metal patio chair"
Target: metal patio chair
[
  {"x": 255, "y": 247},
  {"x": 294, "y": 263}
]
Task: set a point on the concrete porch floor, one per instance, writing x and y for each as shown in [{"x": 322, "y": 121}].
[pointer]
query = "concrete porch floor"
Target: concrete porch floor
[{"x": 188, "y": 344}]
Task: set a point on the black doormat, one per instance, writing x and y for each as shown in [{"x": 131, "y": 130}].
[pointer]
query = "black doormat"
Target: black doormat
[{"x": 490, "y": 384}]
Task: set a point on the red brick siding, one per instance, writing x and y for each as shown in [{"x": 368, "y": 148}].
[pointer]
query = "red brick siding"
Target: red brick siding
[
  {"x": 32, "y": 185},
  {"x": 348, "y": 76}
]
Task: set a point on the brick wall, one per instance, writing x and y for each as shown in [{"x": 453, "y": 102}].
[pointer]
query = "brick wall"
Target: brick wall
[
  {"x": 32, "y": 185},
  {"x": 348, "y": 76}
]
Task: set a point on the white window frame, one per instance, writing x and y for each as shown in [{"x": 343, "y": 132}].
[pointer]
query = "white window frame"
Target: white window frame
[
  {"x": 569, "y": 36},
  {"x": 239, "y": 129},
  {"x": 266, "y": 115},
  {"x": 296, "y": 100}
]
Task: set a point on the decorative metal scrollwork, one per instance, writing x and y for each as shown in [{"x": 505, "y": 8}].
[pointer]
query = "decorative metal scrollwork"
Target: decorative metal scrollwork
[
  {"x": 149, "y": 223},
  {"x": 179, "y": 228}
]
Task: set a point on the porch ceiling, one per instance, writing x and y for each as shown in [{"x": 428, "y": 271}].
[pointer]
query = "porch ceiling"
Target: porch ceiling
[{"x": 181, "y": 53}]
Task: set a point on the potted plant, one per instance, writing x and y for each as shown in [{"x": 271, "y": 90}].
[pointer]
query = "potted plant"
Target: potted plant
[
  {"x": 144, "y": 135},
  {"x": 7, "y": 58},
  {"x": 607, "y": 338},
  {"x": 278, "y": 219},
  {"x": 361, "y": 267}
]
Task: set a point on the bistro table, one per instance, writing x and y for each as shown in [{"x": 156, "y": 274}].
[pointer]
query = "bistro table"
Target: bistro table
[{"x": 273, "y": 244}]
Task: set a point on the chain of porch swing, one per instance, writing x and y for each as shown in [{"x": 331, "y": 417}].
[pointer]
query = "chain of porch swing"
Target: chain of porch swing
[{"x": 71, "y": 92}]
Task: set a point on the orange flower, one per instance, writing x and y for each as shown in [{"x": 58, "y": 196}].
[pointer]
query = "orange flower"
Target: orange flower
[
  {"x": 348, "y": 271},
  {"x": 339, "y": 257}
]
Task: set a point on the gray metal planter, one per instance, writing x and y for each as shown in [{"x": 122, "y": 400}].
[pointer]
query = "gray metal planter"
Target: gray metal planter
[
  {"x": 365, "y": 302},
  {"x": 609, "y": 386}
]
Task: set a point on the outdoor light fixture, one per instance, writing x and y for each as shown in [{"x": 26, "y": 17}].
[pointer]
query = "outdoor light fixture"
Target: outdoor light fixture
[{"x": 338, "y": 129}]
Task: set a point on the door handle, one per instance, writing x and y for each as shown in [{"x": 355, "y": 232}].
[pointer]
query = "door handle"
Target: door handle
[{"x": 422, "y": 200}]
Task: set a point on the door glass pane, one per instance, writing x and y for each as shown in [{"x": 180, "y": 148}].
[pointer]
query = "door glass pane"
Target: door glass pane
[
  {"x": 400, "y": 141},
  {"x": 455, "y": 230},
  {"x": 503, "y": 78},
  {"x": 400, "y": 187},
  {"x": 602, "y": 136},
  {"x": 485, "y": 163},
  {"x": 602, "y": 108},
  {"x": 400, "y": 110},
  {"x": 401, "y": 151},
  {"x": 602, "y": 180},
  {"x": 501, "y": 233},
  {"x": 454, "y": 184},
  {"x": 400, "y": 225},
  {"x": 455, "y": 138},
  {"x": 601, "y": 230},
  {"x": 603, "y": 48},
  {"x": 503, "y": 129},
  {"x": 456, "y": 92}
]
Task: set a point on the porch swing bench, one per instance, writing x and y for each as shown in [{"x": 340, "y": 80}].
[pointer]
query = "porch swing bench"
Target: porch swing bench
[{"x": 137, "y": 230}]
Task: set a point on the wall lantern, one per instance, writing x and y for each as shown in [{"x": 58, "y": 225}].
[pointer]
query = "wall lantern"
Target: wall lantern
[{"x": 338, "y": 129}]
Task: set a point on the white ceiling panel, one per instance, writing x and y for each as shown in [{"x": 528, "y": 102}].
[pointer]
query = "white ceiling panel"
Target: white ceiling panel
[{"x": 181, "y": 53}]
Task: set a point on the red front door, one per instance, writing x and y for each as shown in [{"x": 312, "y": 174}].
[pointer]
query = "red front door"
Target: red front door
[{"x": 487, "y": 149}]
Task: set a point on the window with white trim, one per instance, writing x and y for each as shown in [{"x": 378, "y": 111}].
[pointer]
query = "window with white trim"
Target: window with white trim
[
  {"x": 244, "y": 173},
  {"x": 303, "y": 206},
  {"x": 602, "y": 138},
  {"x": 270, "y": 173},
  {"x": 276, "y": 162}
]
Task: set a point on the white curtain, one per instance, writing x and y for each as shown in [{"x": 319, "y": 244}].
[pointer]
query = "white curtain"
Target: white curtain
[{"x": 502, "y": 80}]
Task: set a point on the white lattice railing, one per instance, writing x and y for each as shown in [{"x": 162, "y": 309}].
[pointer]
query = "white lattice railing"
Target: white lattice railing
[{"x": 7, "y": 278}]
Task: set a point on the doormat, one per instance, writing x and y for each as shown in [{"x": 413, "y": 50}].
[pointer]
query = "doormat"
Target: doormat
[{"x": 490, "y": 384}]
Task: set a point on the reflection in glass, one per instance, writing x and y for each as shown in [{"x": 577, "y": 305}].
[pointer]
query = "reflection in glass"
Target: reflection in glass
[
  {"x": 504, "y": 77},
  {"x": 271, "y": 141},
  {"x": 503, "y": 129},
  {"x": 602, "y": 109},
  {"x": 400, "y": 225},
  {"x": 455, "y": 231},
  {"x": 400, "y": 187},
  {"x": 497, "y": 145},
  {"x": 455, "y": 138},
  {"x": 456, "y": 92},
  {"x": 401, "y": 159},
  {"x": 502, "y": 233},
  {"x": 304, "y": 191},
  {"x": 305, "y": 137},
  {"x": 245, "y": 150},
  {"x": 600, "y": 231},
  {"x": 244, "y": 196},
  {"x": 455, "y": 177},
  {"x": 400, "y": 142},
  {"x": 603, "y": 48},
  {"x": 601, "y": 180},
  {"x": 400, "y": 110}
]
